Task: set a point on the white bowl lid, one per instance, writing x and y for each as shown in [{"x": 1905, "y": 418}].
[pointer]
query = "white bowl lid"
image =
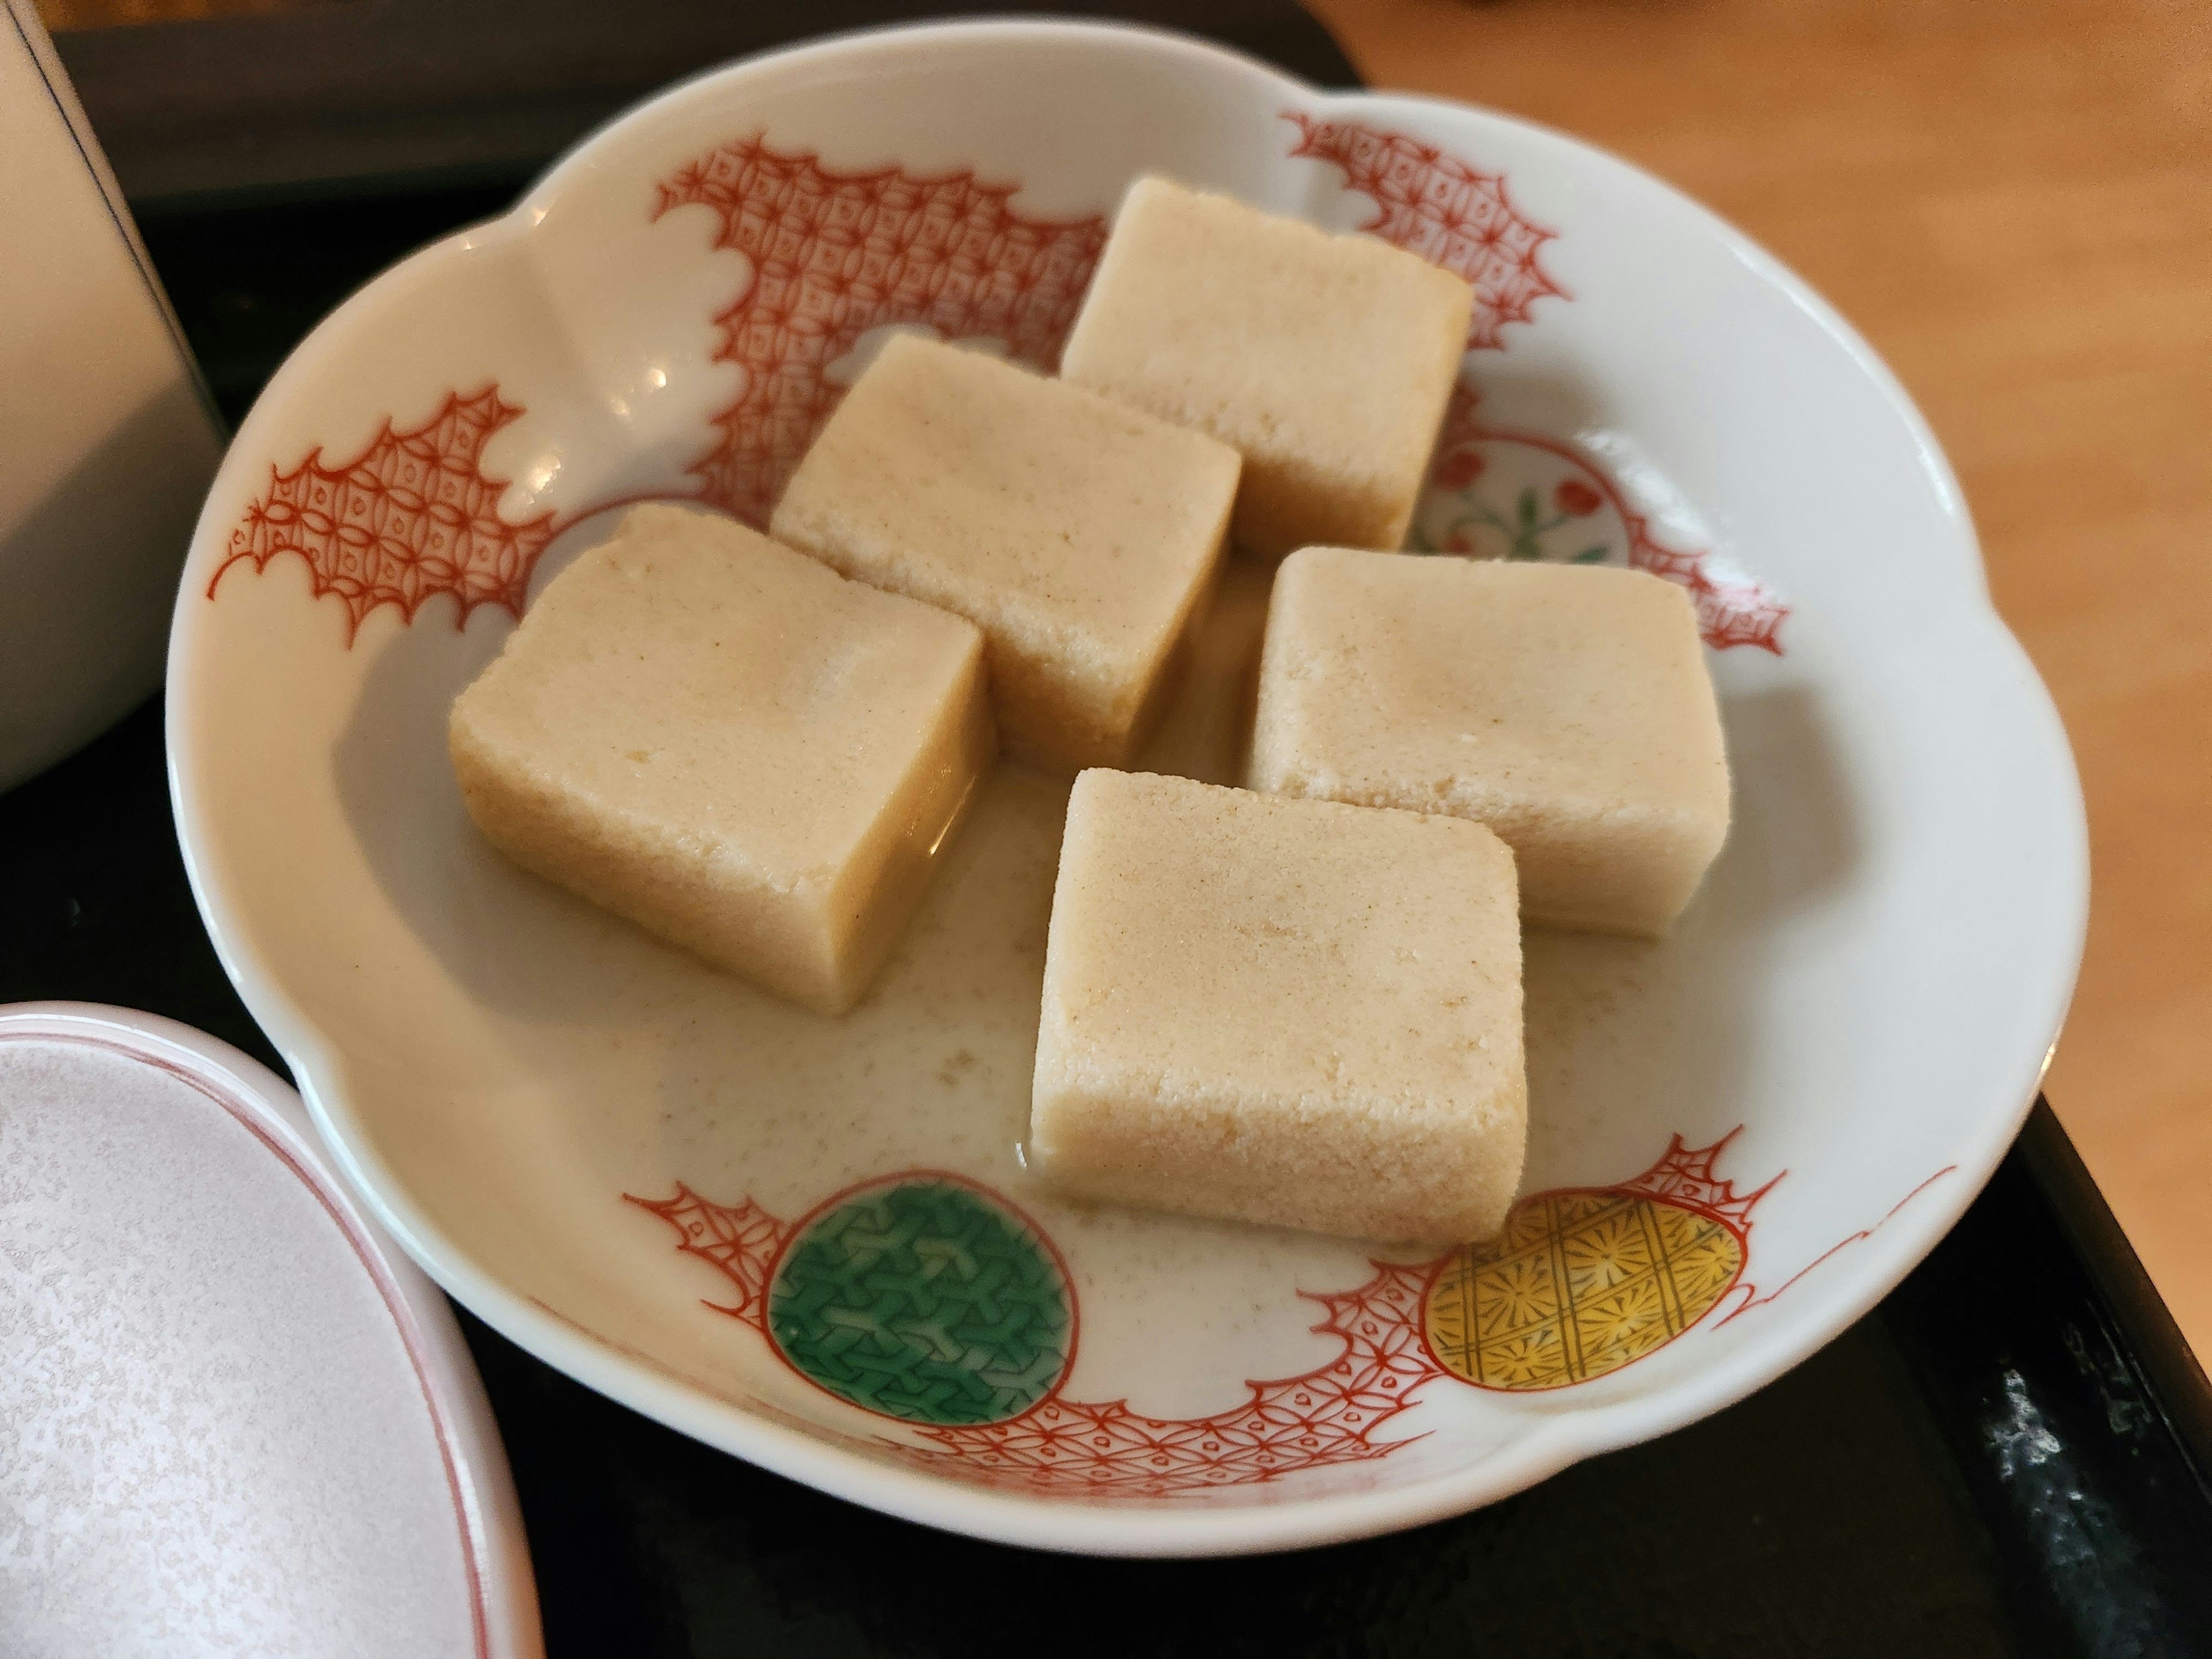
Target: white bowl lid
[{"x": 232, "y": 1416}]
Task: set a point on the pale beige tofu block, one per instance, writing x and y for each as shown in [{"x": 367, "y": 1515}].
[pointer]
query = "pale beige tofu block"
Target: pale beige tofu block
[
  {"x": 1568, "y": 707},
  {"x": 1281, "y": 1010},
  {"x": 1080, "y": 536},
  {"x": 731, "y": 744},
  {"x": 1325, "y": 360}
]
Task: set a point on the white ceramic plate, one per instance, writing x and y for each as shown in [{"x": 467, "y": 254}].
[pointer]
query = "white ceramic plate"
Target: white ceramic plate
[
  {"x": 625, "y": 1162},
  {"x": 234, "y": 1418}
]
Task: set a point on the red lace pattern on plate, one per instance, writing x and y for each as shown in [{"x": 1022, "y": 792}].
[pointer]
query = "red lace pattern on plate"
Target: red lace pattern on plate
[
  {"x": 411, "y": 516},
  {"x": 740, "y": 1241},
  {"x": 1328, "y": 1416},
  {"x": 836, "y": 254},
  {"x": 1451, "y": 214}
]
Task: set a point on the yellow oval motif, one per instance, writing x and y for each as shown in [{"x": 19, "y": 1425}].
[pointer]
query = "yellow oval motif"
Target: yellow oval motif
[{"x": 1577, "y": 1285}]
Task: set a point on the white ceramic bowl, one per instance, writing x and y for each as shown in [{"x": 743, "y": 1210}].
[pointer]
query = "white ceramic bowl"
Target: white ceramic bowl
[{"x": 1742, "y": 1137}]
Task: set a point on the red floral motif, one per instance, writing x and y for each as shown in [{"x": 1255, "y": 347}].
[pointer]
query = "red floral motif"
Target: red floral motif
[
  {"x": 1449, "y": 213},
  {"x": 413, "y": 515},
  {"x": 1575, "y": 498},
  {"x": 1457, "y": 216},
  {"x": 836, "y": 254},
  {"x": 1457, "y": 469},
  {"x": 1730, "y": 612}
]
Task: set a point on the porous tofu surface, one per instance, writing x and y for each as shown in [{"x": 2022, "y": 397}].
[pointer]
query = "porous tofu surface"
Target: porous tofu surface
[
  {"x": 1568, "y": 707},
  {"x": 1080, "y": 535},
  {"x": 1281, "y": 1010},
  {"x": 723, "y": 740},
  {"x": 1324, "y": 359}
]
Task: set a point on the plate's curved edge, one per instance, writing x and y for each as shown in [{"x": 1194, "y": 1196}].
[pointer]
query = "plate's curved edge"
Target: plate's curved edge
[
  {"x": 1935, "y": 461},
  {"x": 936, "y": 1501},
  {"x": 501, "y": 1584},
  {"x": 706, "y": 82}
]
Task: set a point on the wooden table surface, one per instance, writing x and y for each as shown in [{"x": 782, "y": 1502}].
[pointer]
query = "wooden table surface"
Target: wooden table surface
[
  {"x": 2014, "y": 202},
  {"x": 2012, "y": 199}
]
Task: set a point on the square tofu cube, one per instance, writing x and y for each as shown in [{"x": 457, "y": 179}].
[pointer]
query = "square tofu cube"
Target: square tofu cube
[
  {"x": 1281, "y": 1010},
  {"x": 1081, "y": 537},
  {"x": 732, "y": 746},
  {"x": 1325, "y": 360},
  {"x": 1567, "y": 708}
]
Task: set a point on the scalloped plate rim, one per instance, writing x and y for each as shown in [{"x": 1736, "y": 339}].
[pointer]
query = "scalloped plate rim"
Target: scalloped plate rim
[{"x": 1574, "y": 1433}]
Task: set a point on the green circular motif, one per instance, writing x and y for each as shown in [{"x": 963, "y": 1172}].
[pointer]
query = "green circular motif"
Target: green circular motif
[{"x": 924, "y": 1299}]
